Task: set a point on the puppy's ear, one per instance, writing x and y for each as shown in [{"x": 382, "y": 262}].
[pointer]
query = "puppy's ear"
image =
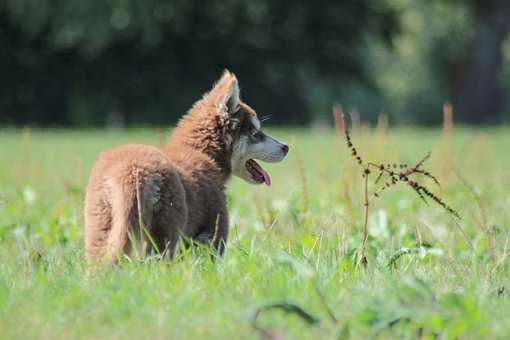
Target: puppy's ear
[
  {"x": 225, "y": 96},
  {"x": 233, "y": 105},
  {"x": 232, "y": 100}
]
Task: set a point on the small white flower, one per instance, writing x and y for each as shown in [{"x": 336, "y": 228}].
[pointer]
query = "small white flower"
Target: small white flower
[
  {"x": 233, "y": 217},
  {"x": 435, "y": 251},
  {"x": 29, "y": 195},
  {"x": 378, "y": 226},
  {"x": 279, "y": 204},
  {"x": 403, "y": 204},
  {"x": 19, "y": 231},
  {"x": 258, "y": 226}
]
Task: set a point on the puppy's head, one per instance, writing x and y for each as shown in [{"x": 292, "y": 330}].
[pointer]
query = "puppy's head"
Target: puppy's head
[{"x": 248, "y": 142}]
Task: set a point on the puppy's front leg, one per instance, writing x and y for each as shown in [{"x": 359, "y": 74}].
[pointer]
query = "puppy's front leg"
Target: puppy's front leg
[{"x": 215, "y": 233}]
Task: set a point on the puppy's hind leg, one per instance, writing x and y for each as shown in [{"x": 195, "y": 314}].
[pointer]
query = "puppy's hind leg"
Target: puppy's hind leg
[{"x": 170, "y": 217}]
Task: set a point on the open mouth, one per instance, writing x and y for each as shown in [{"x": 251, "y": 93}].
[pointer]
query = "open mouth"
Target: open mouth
[{"x": 258, "y": 174}]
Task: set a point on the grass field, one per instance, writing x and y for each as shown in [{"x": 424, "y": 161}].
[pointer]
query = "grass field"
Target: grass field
[{"x": 292, "y": 243}]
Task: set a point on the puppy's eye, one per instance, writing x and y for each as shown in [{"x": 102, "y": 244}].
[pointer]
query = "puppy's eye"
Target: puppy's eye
[{"x": 254, "y": 133}]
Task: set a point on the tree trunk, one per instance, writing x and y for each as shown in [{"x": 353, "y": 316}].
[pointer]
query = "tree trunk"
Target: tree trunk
[{"x": 478, "y": 95}]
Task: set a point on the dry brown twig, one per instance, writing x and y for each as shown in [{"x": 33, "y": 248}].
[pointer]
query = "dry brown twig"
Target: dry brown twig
[
  {"x": 288, "y": 308},
  {"x": 303, "y": 180},
  {"x": 447, "y": 119},
  {"x": 393, "y": 174}
]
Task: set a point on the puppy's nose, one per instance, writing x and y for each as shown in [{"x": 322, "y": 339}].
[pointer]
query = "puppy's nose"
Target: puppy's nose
[{"x": 285, "y": 149}]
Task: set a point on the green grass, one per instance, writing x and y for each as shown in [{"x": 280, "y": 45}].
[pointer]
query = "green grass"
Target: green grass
[{"x": 290, "y": 243}]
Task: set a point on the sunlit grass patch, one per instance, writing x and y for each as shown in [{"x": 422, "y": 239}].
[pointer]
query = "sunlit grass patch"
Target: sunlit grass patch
[{"x": 293, "y": 243}]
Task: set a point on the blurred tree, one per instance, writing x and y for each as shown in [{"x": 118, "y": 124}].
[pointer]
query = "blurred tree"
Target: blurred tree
[
  {"x": 74, "y": 61},
  {"x": 478, "y": 89},
  {"x": 445, "y": 50}
]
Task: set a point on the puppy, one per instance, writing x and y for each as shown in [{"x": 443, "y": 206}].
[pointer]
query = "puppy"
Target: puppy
[{"x": 151, "y": 196}]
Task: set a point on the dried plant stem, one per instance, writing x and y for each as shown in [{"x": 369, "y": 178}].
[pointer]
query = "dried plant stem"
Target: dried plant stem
[
  {"x": 287, "y": 308},
  {"x": 447, "y": 119},
  {"x": 362, "y": 258},
  {"x": 394, "y": 174},
  {"x": 303, "y": 180},
  {"x": 216, "y": 239}
]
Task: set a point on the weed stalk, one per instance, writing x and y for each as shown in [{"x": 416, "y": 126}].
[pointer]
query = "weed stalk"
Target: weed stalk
[{"x": 393, "y": 174}]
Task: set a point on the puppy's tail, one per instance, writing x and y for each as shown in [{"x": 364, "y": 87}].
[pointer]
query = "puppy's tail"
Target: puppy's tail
[{"x": 126, "y": 206}]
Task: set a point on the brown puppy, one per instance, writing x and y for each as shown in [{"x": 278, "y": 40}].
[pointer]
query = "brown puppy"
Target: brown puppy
[{"x": 178, "y": 189}]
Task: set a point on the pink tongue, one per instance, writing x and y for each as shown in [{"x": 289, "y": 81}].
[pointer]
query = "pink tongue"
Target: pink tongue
[{"x": 267, "y": 178}]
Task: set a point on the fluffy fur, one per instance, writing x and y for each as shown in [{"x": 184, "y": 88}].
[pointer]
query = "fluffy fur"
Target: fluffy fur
[{"x": 174, "y": 190}]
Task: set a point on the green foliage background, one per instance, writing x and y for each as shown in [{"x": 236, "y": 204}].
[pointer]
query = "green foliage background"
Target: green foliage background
[{"x": 96, "y": 62}]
